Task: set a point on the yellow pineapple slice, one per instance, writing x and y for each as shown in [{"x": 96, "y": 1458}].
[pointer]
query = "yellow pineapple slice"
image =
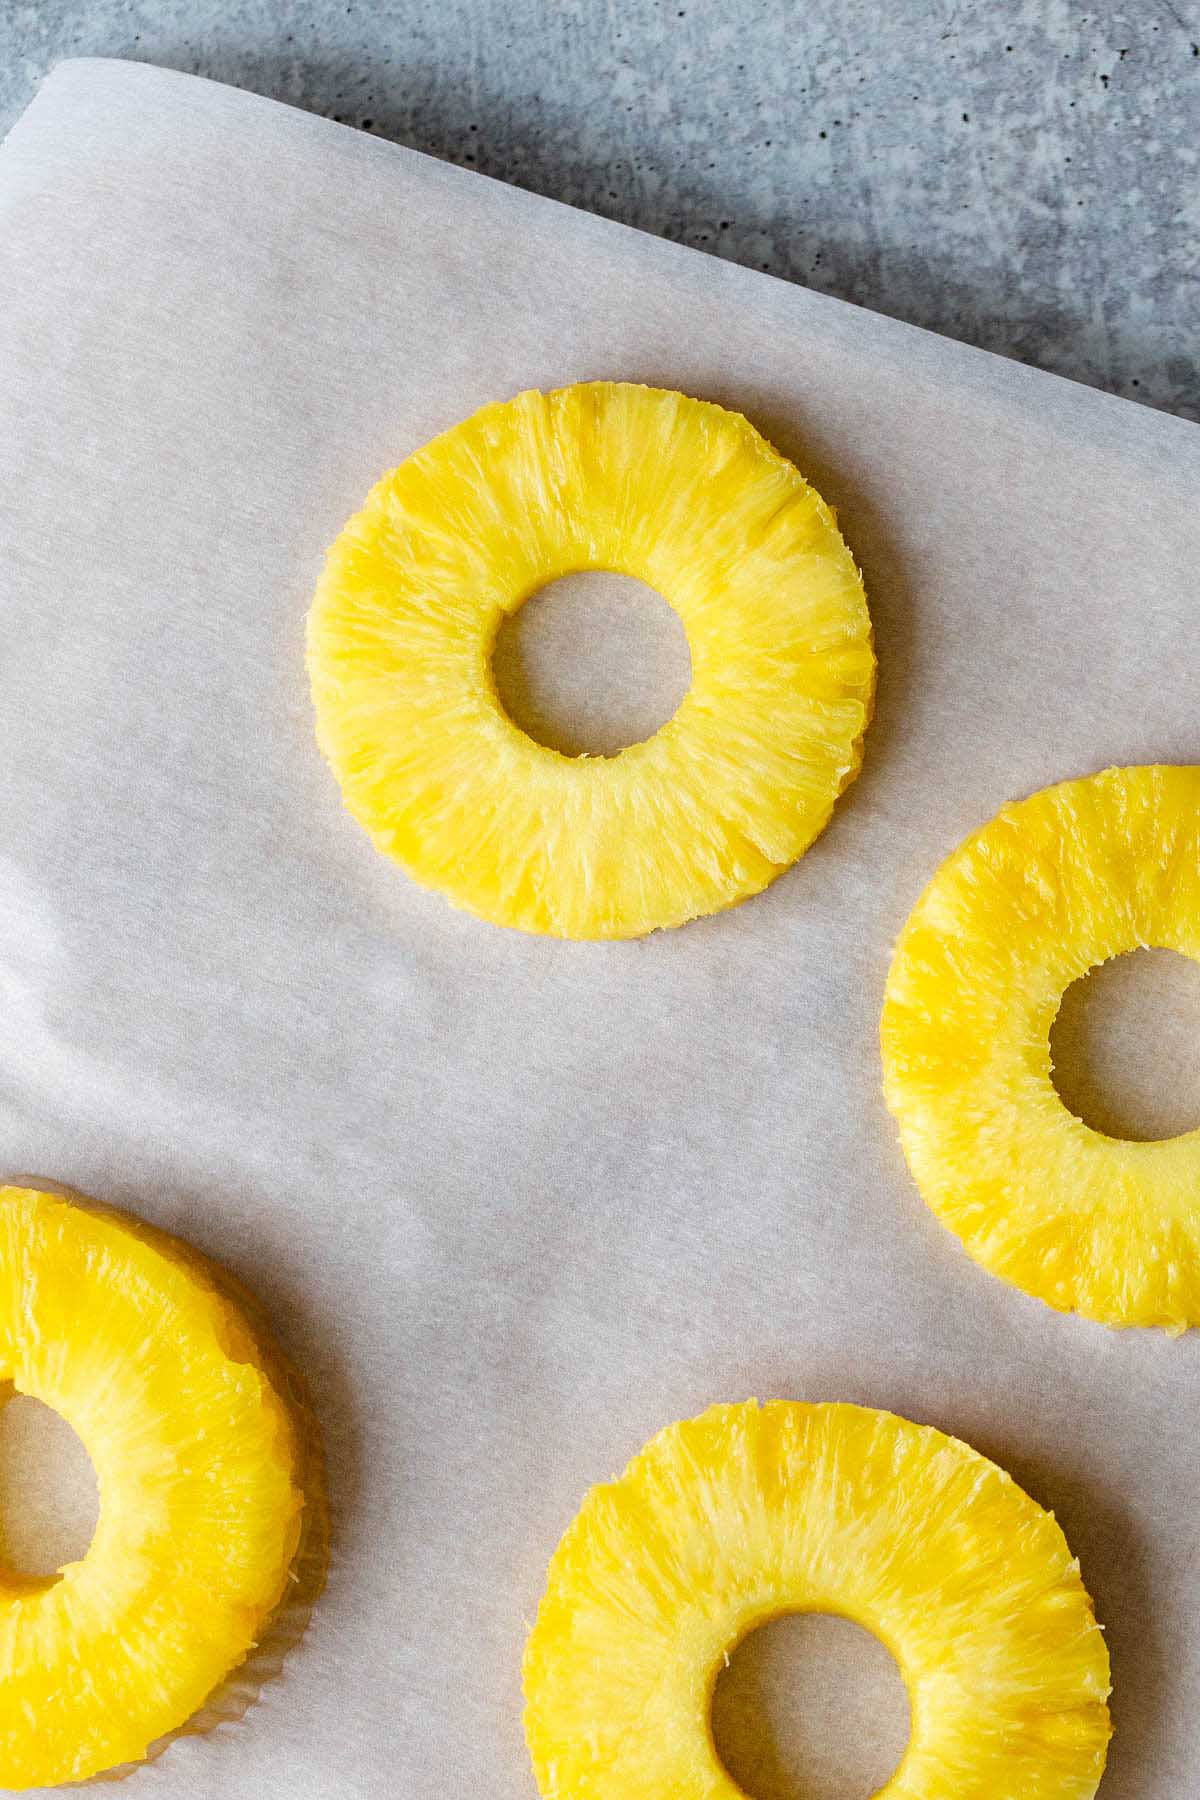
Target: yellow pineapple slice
[
  {"x": 748, "y": 1512},
  {"x": 1050, "y": 887},
  {"x": 125, "y": 1335},
  {"x": 606, "y": 475}
]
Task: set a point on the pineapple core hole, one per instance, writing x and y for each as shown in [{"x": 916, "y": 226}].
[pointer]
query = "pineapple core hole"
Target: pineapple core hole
[
  {"x": 49, "y": 1504},
  {"x": 1123, "y": 1046},
  {"x": 810, "y": 1707},
  {"x": 592, "y": 663}
]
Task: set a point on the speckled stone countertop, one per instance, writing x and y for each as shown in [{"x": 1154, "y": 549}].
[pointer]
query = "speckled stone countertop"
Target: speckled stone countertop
[{"x": 1022, "y": 175}]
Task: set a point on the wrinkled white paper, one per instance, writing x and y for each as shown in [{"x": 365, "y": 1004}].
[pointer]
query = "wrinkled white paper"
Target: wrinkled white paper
[{"x": 514, "y": 1204}]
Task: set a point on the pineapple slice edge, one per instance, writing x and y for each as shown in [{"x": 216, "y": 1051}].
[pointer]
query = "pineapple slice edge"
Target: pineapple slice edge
[
  {"x": 603, "y": 475},
  {"x": 209, "y": 1489},
  {"x": 1052, "y": 886},
  {"x": 747, "y": 1512}
]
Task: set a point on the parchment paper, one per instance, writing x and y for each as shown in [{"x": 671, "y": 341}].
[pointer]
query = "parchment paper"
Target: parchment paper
[{"x": 514, "y": 1204}]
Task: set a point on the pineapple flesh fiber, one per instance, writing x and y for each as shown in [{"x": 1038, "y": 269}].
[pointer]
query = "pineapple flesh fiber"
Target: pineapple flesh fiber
[
  {"x": 1052, "y": 886},
  {"x": 644, "y": 482},
  {"x": 749, "y": 1512},
  {"x": 122, "y": 1332}
]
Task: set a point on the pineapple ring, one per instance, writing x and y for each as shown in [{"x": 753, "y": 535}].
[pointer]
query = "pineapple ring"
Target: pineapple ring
[
  {"x": 605, "y": 475},
  {"x": 726, "y": 1521},
  {"x": 123, "y": 1334},
  {"x": 1050, "y": 887}
]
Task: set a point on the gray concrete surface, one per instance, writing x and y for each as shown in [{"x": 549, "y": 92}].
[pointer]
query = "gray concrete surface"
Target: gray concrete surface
[{"x": 1023, "y": 176}]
